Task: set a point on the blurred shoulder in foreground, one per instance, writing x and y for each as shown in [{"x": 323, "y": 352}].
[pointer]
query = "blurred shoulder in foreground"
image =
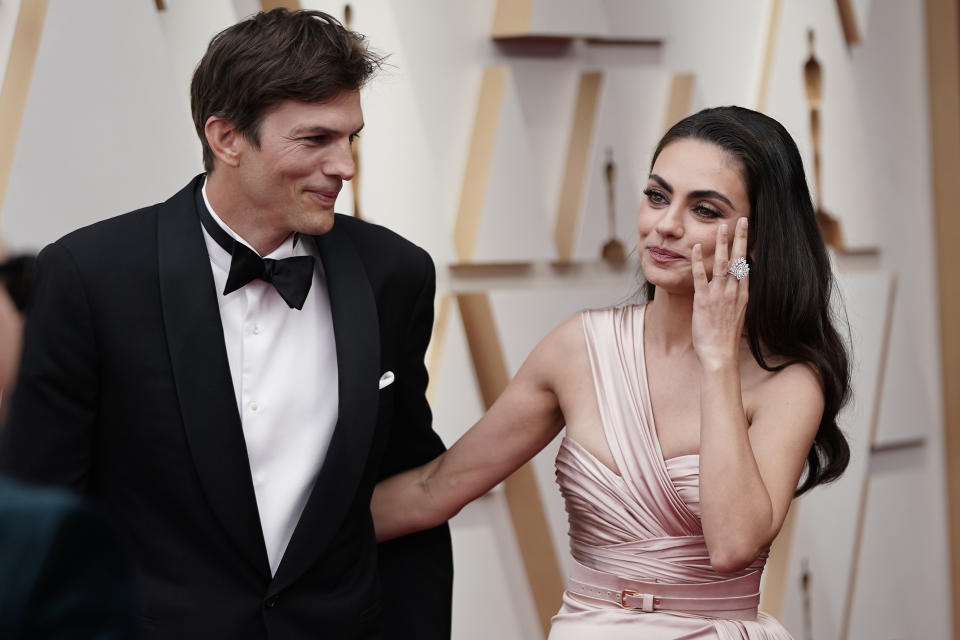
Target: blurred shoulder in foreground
[{"x": 63, "y": 572}]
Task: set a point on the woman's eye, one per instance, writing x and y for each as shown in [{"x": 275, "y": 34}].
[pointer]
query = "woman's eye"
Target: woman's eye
[
  {"x": 655, "y": 197},
  {"x": 704, "y": 211}
]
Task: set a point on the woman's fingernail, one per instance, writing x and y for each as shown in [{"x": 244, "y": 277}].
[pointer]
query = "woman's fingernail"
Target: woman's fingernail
[
  {"x": 743, "y": 223},
  {"x": 723, "y": 229}
]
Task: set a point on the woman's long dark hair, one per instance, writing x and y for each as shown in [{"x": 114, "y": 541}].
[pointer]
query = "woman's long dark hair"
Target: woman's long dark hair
[{"x": 789, "y": 312}]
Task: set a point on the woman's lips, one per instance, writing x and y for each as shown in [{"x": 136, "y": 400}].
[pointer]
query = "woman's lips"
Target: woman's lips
[{"x": 661, "y": 254}]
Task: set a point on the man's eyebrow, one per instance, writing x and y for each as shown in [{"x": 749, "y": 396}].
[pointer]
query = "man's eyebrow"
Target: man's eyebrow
[
  {"x": 316, "y": 129},
  {"x": 700, "y": 193},
  {"x": 312, "y": 129}
]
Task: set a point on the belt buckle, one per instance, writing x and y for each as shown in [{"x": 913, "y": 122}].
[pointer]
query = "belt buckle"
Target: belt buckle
[{"x": 647, "y": 600}]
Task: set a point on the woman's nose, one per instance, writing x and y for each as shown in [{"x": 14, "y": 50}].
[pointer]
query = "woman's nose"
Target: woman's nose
[{"x": 670, "y": 222}]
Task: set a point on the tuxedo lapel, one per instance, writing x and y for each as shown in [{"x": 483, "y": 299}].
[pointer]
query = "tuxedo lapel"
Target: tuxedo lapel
[
  {"x": 357, "y": 335},
  {"x": 201, "y": 373}
]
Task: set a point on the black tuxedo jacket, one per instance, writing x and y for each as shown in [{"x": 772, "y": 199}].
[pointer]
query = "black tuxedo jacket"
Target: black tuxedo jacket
[
  {"x": 63, "y": 571},
  {"x": 125, "y": 394}
]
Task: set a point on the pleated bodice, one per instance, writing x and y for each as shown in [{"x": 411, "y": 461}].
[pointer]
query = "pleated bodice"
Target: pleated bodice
[{"x": 642, "y": 521}]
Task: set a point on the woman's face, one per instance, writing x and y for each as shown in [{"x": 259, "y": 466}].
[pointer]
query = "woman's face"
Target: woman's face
[{"x": 694, "y": 187}]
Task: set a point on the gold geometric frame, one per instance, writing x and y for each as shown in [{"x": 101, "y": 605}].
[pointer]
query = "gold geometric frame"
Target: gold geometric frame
[
  {"x": 578, "y": 159},
  {"x": 865, "y": 487},
  {"x": 848, "y": 20},
  {"x": 520, "y": 489},
  {"x": 773, "y": 22},
  {"x": 479, "y": 158},
  {"x": 680, "y": 98},
  {"x": 16, "y": 82},
  {"x": 292, "y": 5},
  {"x": 943, "y": 81}
]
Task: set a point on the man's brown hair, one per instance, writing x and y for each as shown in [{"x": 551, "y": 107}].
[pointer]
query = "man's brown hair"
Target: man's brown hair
[{"x": 252, "y": 66}]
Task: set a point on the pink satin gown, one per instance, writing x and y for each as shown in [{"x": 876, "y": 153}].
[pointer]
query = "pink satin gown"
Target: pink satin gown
[{"x": 635, "y": 534}]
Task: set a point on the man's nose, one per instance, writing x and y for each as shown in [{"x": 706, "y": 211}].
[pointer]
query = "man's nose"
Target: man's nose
[{"x": 341, "y": 163}]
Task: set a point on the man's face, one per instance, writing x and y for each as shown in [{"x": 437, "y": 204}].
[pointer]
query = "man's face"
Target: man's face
[{"x": 293, "y": 178}]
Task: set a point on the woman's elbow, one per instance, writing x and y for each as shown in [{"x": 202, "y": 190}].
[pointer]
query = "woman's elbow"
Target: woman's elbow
[
  {"x": 732, "y": 558},
  {"x": 436, "y": 507}
]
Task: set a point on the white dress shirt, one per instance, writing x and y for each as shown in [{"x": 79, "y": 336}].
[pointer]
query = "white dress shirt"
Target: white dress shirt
[{"x": 284, "y": 368}]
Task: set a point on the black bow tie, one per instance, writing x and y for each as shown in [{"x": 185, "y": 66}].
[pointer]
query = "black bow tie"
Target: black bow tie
[{"x": 291, "y": 277}]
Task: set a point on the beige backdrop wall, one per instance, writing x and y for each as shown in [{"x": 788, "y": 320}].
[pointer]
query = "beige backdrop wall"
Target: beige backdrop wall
[{"x": 106, "y": 129}]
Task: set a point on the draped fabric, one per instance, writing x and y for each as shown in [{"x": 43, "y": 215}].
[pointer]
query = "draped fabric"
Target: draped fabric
[{"x": 642, "y": 521}]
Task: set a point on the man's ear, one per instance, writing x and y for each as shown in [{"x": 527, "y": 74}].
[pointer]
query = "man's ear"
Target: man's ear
[{"x": 225, "y": 141}]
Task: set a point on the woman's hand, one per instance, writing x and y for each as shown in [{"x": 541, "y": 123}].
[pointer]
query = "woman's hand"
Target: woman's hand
[
  {"x": 748, "y": 469},
  {"x": 720, "y": 304}
]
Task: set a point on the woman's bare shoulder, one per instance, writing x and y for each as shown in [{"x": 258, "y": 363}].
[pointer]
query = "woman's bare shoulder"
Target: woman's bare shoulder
[
  {"x": 796, "y": 386},
  {"x": 562, "y": 353},
  {"x": 563, "y": 342},
  {"x": 567, "y": 338},
  {"x": 800, "y": 380}
]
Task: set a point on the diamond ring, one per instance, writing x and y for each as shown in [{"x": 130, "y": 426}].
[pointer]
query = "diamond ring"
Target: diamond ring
[{"x": 739, "y": 268}]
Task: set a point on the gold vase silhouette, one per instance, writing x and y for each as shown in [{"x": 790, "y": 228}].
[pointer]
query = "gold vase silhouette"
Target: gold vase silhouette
[
  {"x": 805, "y": 586},
  {"x": 613, "y": 250}
]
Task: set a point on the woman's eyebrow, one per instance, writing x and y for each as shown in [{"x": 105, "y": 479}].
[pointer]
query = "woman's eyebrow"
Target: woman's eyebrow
[
  {"x": 699, "y": 193},
  {"x": 710, "y": 193},
  {"x": 663, "y": 183}
]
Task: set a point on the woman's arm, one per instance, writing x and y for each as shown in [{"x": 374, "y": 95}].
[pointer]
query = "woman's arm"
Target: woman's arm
[
  {"x": 520, "y": 423},
  {"x": 747, "y": 477}
]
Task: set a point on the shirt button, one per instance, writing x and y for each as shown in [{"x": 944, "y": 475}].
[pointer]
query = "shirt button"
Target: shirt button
[
  {"x": 271, "y": 602},
  {"x": 254, "y": 406},
  {"x": 256, "y": 330}
]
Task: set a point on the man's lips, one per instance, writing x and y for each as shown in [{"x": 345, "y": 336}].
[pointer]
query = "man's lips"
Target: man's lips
[
  {"x": 326, "y": 195},
  {"x": 662, "y": 254}
]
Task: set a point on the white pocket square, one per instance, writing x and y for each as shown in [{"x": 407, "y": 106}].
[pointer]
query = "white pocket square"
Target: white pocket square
[{"x": 386, "y": 379}]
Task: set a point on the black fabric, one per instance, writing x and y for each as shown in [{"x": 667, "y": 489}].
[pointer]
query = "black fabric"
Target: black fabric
[
  {"x": 291, "y": 277},
  {"x": 125, "y": 394},
  {"x": 18, "y": 273},
  {"x": 64, "y": 572}
]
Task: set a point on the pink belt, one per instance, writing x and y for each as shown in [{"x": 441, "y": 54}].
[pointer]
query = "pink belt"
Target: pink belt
[{"x": 740, "y": 599}]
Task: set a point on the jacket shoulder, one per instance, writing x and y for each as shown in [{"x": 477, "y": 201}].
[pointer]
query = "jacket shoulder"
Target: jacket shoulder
[
  {"x": 371, "y": 237},
  {"x": 125, "y": 233},
  {"x": 118, "y": 227}
]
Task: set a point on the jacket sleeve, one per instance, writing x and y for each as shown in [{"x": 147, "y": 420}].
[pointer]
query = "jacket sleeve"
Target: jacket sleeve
[
  {"x": 49, "y": 434},
  {"x": 416, "y": 571}
]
